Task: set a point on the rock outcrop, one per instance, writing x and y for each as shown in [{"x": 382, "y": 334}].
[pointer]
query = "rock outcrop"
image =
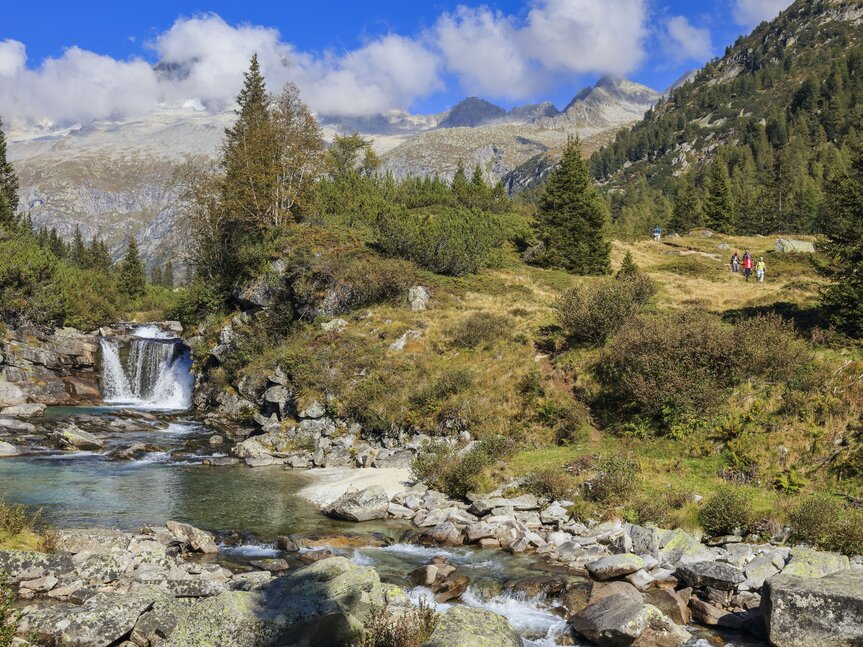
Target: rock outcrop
[
  {"x": 461, "y": 626},
  {"x": 48, "y": 368},
  {"x": 814, "y": 612}
]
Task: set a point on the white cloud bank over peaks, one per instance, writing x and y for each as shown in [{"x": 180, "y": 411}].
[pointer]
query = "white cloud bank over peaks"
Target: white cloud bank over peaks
[
  {"x": 750, "y": 13},
  {"x": 500, "y": 56},
  {"x": 201, "y": 61}
]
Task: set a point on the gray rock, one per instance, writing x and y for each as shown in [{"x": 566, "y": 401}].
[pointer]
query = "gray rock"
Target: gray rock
[
  {"x": 335, "y": 325},
  {"x": 402, "y": 342},
  {"x": 323, "y": 604},
  {"x": 22, "y": 565},
  {"x": 607, "y": 568},
  {"x": 418, "y": 297},
  {"x": 808, "y": 562},
  {"x": 26, "y": 410},
  {"x": 10, "y": 394},
  {"x": 716, "y": 575},
  {"x": 197, "y": 540},
  {"x": 74, "y": 438},
  {"x": 8, "y": 449},
  {"x": 789, "y": 246},
  {"x": 101, "y": 621},
  {"x": 13, "y": 424},
  {"x": 314, "y": 410},
  {"x": 463, "y": 626},
  {"x": 814, "y": 612},
  {"x": 361, "y": 505},
  {"x": 617, "y": 621}
]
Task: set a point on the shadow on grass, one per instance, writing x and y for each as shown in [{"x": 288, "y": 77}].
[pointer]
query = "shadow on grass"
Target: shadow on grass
[{"x": 805, "y": 318}]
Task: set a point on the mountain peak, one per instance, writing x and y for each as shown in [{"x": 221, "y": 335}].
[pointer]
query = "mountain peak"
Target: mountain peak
[{"x": 472, "y": 112}]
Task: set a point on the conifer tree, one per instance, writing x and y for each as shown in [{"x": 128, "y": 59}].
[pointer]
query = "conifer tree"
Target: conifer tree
[
  {"x": 132, "y": 278},
  {"x": 98, "y": 256},
  {"x": 841, "y": 251},
  {"x": 8, "y": 184},
  {"x": 56, "y": 243},
  {"x": 78, "y": 252},
  {"x": 628, "y": 268},
  {"x": 572, "y": 221},
  {"x": 168, "y": 275},
  {"x": 460, "y": 186},
  {"x": 686, "y": 214},
  {"x": 719, "y": 201},
  {"x": 156, "y": 275}
]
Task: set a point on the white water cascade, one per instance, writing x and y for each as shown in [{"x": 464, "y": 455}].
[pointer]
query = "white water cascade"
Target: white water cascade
[{"x": 151, "y": 370}]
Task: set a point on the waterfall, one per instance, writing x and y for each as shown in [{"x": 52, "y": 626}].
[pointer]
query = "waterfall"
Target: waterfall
[{"x": 150, "y": 370}]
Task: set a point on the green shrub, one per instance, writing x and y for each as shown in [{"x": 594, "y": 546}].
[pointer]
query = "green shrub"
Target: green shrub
[
  {"x": 823, "y": 521},
  {"x": 450, "y": 382},
  {"x": 617, "y": 478},
  {"x": 452, "y": 241},
  {"x": 384, "y": 628},
  {"x": 481, "y": 328},
  {"x": 659, "y": 508},
  {"x": 554, "y": 483},
  {"x": 443, "y": 468},
  {"x": 200, "y": 300},
  {"x": 14, "y": 518},
  {"x": 673, "y": 366},
  {"x": 567, "y": 418},
  {"x": 592, "y": 312},
  {"x": 727, "y": 512}
]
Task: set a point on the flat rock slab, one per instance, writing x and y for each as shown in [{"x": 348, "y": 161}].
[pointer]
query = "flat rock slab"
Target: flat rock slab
[
  {"x": 362, "y": 505},
  {"x": 716, "y": 575},
  {"x": 617, "y": 621},
  {"x": 461, "y": 626},
  {"x": 819, "y": 612},
  {"x": 608, "y": 568},
  {"x": 21, "y": 565}
]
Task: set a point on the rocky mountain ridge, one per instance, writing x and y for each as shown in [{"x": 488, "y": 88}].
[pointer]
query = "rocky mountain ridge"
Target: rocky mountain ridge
[{"x": 113, "y": 179}]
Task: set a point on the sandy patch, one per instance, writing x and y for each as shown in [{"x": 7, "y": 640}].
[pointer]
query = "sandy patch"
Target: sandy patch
[{"x": 330, "y": 483}]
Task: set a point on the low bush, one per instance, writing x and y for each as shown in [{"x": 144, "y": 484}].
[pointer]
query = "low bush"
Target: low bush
[
  {"x": 616, "y": 480},
  {"x": 384, "y": 628},
  {"x": 660, "y": 508},
  {"x": 825, "y": 522},
  {"x": 481, "y": 329},
  {"x": 443, "y": 468},
  {"x": 554, "y": 483},
  {"x": 14, "y": 518},
  {"x": 673, "y": 366},
  {"x": 450, "y": 382},
  {"x": 568, "y": 419},
  {"x": 727, "y": 512},
  {"x": 591, "y": 313},
  {"x": 449, "y": 240}
]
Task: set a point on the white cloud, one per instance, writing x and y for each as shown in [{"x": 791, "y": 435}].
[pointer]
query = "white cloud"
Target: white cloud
[
  {"x": 494, "y": 54},
  {"x": 750, "y": 13},
  {"x": 203, "y": 58},
  {"x": 686, "y": 42}
]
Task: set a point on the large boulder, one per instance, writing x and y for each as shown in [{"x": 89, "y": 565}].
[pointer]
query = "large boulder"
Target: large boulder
[
  {"x": 463, "y": 626},
  {"x": 716, "y": 575},
  {"x": 74, "y": 438},
  {"x": 21, "y": 565},
  {"x": 103, "y": 620},
  {"x": 808, "y": 562},
  {"x": 25, "y": 410},
  {"x": 323, "y": 604},
  {"x": 11, "y": 394},
  {"x": 8, "y": 449},
  {"x": 193, "y": 538},
  {"x": 607, "y": 568},
  {"x": 789, "y": 246},
  {"x": 814, "y": 612},
  {"x": 619, "y": 621},
  {"x": 360, "y": 505}
]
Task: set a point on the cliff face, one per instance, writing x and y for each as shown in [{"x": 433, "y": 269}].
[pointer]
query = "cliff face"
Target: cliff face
[{"x": 58, "y": 368}]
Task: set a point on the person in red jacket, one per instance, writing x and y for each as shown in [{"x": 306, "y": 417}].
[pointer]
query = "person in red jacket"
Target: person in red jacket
[{"x": 748, "y": 263}]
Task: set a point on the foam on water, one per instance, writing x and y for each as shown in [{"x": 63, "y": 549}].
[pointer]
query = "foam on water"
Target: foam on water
[{"x": 250, "y": 550}]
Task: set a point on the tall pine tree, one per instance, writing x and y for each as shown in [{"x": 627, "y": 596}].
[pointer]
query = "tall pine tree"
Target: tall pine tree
[
  {"x": 841, "y": 251},
  {"x": 8, "y": 184},
  {"x": 131, "y": 275},
  {"x": 719, "y": 201},
  {"x": 168, "y": 275},
  {"x": 572, "y": 221},
  {"x": 78, "y": 251},
  {"x": 686, "y": 214}
]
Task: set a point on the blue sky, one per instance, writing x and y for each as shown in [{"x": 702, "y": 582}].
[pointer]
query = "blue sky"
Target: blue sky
[{"x": 348, "y": 56}]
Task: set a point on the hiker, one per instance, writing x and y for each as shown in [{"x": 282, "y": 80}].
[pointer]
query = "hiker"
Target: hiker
[
  {"x": 760, "y": 269},
  {"x": 747, "y": 264},
  {"x": 657, "y": 233},
  {"x": 735, "y": 263}
]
